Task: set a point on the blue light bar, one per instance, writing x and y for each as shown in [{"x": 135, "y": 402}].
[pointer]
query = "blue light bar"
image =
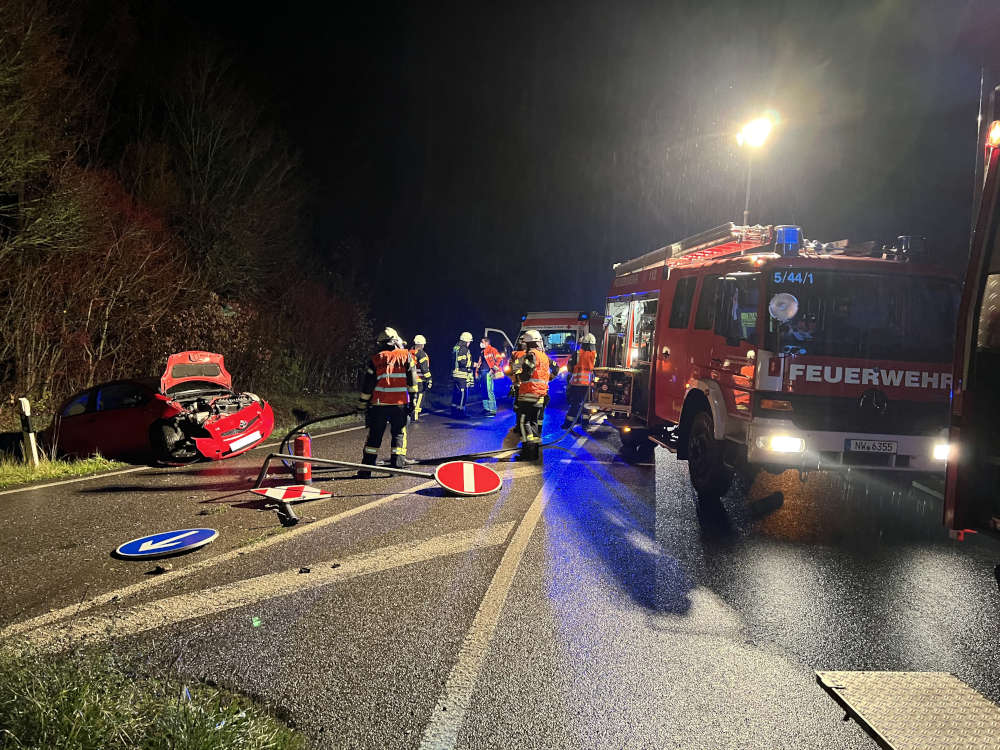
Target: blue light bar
[
  {"x": 787, "y": 239},
  {"x": 524, "y": 318}
]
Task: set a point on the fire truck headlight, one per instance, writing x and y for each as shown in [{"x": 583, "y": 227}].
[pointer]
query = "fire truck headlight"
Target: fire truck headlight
[
  {"x": 563, "y": 369},
  {"x": 784, "y": 444},
  {"x": 941, "y": 451}
]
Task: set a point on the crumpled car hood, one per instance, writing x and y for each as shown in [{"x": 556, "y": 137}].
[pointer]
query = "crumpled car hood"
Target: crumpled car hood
[{"x": 195, "y": 367}]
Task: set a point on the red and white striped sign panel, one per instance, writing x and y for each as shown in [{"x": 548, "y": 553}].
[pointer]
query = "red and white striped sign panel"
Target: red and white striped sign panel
[
  {"x": 467, "y": 478},
  {"x": 293, "y": 492}
]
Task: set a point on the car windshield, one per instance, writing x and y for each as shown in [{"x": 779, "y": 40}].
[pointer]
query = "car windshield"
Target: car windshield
[
  {"x": 559, "y": 341},
  {"x": 866, "y": 316}
]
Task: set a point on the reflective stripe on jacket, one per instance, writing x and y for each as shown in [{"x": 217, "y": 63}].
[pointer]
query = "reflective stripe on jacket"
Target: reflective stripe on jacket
[
  {"x": 537, "y": 383},
  {"x": 492, "y": 358},
  {"x": 461, "y": 361},
  {"x": 423, "y": 363},
  {"x": 392, "y": 376},
  {"x": 582, "y": 372}
]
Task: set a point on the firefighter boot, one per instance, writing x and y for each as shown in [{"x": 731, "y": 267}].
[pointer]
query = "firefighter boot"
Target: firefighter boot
[
  {"x": 398, "y": 462},
  {"x": 369, "y": 460}
]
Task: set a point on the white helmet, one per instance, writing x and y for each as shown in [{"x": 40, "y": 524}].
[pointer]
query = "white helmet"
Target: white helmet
[
  {"x": 389, "y": 336},
  {"x": 532, "y": 337},
  {"x": 588, "y": 338},
  {"x": 466, "y": 337},
  {"x": 419, "y": 340}
]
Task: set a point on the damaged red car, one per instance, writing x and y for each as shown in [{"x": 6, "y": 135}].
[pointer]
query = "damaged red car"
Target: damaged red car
[{"x": 190, "y": 413}]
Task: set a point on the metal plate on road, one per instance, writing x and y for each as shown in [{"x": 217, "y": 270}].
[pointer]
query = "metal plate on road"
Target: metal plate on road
[
  {"x": 166, "y": 543},
  {"x": 467, "y": 478},
  {"x": 916, "y": 710},
  {"x": 293, "y": 492}
]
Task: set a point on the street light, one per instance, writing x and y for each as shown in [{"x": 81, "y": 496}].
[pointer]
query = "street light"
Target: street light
[{"x": 753, "y": 135}]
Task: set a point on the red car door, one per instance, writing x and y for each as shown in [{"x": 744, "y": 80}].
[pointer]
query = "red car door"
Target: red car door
[
  {"x": 124, "y": 413},
  {"x": 74, "y": 424}
]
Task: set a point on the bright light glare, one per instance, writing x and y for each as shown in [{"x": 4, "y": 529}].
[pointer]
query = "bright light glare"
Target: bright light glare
[
  {"x": 787, "y": 444},
  {"x": 563, "y": 369},
  {"x": 993, "y": 135},
  {"x": 941, "y": 451},
  {"x": 755, "y": 132}
]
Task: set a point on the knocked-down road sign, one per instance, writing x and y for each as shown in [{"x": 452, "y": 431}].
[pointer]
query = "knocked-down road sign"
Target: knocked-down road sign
[
  {"x": 293, "y": 493},
  {"x": 166, "y": 543},
  {"x": 467, "y": 478}
]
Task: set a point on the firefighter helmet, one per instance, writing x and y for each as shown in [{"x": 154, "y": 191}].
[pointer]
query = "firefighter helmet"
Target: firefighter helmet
[
  {"x": 532, "y": 337},
  {"x": 419, "y": 340},
  {"x": 390, "y": 337},
  {"x": 588, "y": 338},
  {"x": 466, "y": 337}
]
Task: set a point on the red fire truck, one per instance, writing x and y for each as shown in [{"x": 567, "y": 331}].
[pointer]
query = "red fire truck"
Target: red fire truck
[
  {"x": 971, "y": 498},
  {"x": 749, "y": 346},
  {"x": 560, "y": 329}
]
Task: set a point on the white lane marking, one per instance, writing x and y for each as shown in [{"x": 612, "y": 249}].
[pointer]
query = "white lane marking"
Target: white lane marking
[
  {"x": 136, "y": 588},
  {"x": 142, "y": 468},
  {"x": 468, "y": 477},
  {"x": 73, "y": 481},
  {"x": 141, "y": 586},
  {"x": 183, "y": 607},
  {"x": 448, "y": 715}
]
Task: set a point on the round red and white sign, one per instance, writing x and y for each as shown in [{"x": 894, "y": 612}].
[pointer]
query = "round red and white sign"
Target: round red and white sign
[{"x": 467, "y": 478}]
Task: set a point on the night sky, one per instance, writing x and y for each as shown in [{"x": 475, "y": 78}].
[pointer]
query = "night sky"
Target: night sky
[{"x": 490, "y": 160}]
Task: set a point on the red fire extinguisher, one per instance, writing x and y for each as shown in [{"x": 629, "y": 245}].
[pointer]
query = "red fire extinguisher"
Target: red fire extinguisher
[{"x": 303, "y": 469}]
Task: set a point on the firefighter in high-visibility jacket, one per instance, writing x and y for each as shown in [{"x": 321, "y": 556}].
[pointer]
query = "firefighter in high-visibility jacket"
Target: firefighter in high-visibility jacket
[
  {"x": 461, "y": 374},
  {"x": 388, "y": 393},
  {"x": 424, "y": 379},
  {"x": 532, "y": 380},
  {"x": 581, "y": 377}
]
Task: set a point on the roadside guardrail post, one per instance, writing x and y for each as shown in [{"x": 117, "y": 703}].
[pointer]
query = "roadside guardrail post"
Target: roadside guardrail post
[{"x": 28, "y": 433}]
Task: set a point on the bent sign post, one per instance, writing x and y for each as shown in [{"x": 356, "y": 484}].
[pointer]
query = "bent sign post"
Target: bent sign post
[
  {"x": 166, "y": 543},
  {"x": 467, "y": 478}
]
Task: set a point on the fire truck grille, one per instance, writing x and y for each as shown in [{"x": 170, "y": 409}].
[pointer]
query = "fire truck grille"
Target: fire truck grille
[{"x": 845, "y": 415}]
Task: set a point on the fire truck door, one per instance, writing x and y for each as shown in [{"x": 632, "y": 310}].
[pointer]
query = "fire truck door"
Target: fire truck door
[
  {"x": 672, "y": 355},
  {"x": 642, "y": 354},
  {"x": 735, "y": 340}
]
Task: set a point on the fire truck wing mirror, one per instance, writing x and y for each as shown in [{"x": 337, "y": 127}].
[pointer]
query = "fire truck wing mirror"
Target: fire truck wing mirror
[{"x": 783, "y": 307}]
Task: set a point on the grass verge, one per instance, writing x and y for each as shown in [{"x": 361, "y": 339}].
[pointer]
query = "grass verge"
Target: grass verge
[
  {"x": 15, "y": 472},
  {"x": 90, "y": 700},
  {"x": 291, "y": 409}
]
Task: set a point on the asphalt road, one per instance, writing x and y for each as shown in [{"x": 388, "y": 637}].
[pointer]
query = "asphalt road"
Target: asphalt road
[{"x": 589, "y": 603}]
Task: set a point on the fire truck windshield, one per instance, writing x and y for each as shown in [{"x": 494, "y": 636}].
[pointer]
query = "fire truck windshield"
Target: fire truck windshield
[{"x": 869, "y": 316}]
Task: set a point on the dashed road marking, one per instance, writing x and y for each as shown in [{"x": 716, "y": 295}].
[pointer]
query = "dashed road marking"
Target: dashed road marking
[
  {"x": 448, "y": 715},
  {"x": 218, "y": 599}
]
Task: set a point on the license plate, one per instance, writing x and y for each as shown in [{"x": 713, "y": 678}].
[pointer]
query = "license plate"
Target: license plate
[
  {"x": 604, "y": 399},
  {"x": 244, "y": 441},
  {"x": 871, "y": 446}
]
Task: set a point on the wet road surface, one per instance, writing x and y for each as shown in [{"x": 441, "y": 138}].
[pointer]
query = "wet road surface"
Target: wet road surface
[{"x": 589, "y": 603}]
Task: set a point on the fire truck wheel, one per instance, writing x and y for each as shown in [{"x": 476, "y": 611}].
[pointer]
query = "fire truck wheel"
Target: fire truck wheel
[{"x": 709, "y": 475}]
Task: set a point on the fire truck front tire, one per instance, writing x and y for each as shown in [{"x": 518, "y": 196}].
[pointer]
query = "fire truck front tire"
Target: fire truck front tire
[{"x": 710, "y": 476}]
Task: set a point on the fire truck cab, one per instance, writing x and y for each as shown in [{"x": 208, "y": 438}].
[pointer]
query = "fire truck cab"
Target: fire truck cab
[{"x": 748, "y": 346}]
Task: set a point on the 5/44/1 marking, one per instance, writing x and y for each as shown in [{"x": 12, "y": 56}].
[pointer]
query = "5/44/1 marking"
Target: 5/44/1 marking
[{"x": 793, "y": 277}]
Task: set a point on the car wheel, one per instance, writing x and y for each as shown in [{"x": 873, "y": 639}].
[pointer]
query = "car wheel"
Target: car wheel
[
  {"x": 710, "y": 477},
  {"x": 636, "y": 447},
  {"x": 171, "y": 445}
]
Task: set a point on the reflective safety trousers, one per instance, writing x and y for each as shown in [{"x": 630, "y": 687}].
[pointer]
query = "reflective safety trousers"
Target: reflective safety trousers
[{"x": 581, "y": 371}]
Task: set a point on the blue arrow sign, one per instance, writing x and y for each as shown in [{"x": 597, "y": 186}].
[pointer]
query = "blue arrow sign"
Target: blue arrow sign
[{"x": 167, "y": 543}]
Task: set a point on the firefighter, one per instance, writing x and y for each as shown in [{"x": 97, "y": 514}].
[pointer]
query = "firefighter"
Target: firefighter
[
  {"x": 424, "y": 380},
  {"x": 388, "y": 393},
  {"x": 532, "y": 379},
  {"x": 516, "y": 358},
  {"x": 488, "y": 365},
  {"x": 461, "y": 374},
  {"x": 581, "y": 377}
]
